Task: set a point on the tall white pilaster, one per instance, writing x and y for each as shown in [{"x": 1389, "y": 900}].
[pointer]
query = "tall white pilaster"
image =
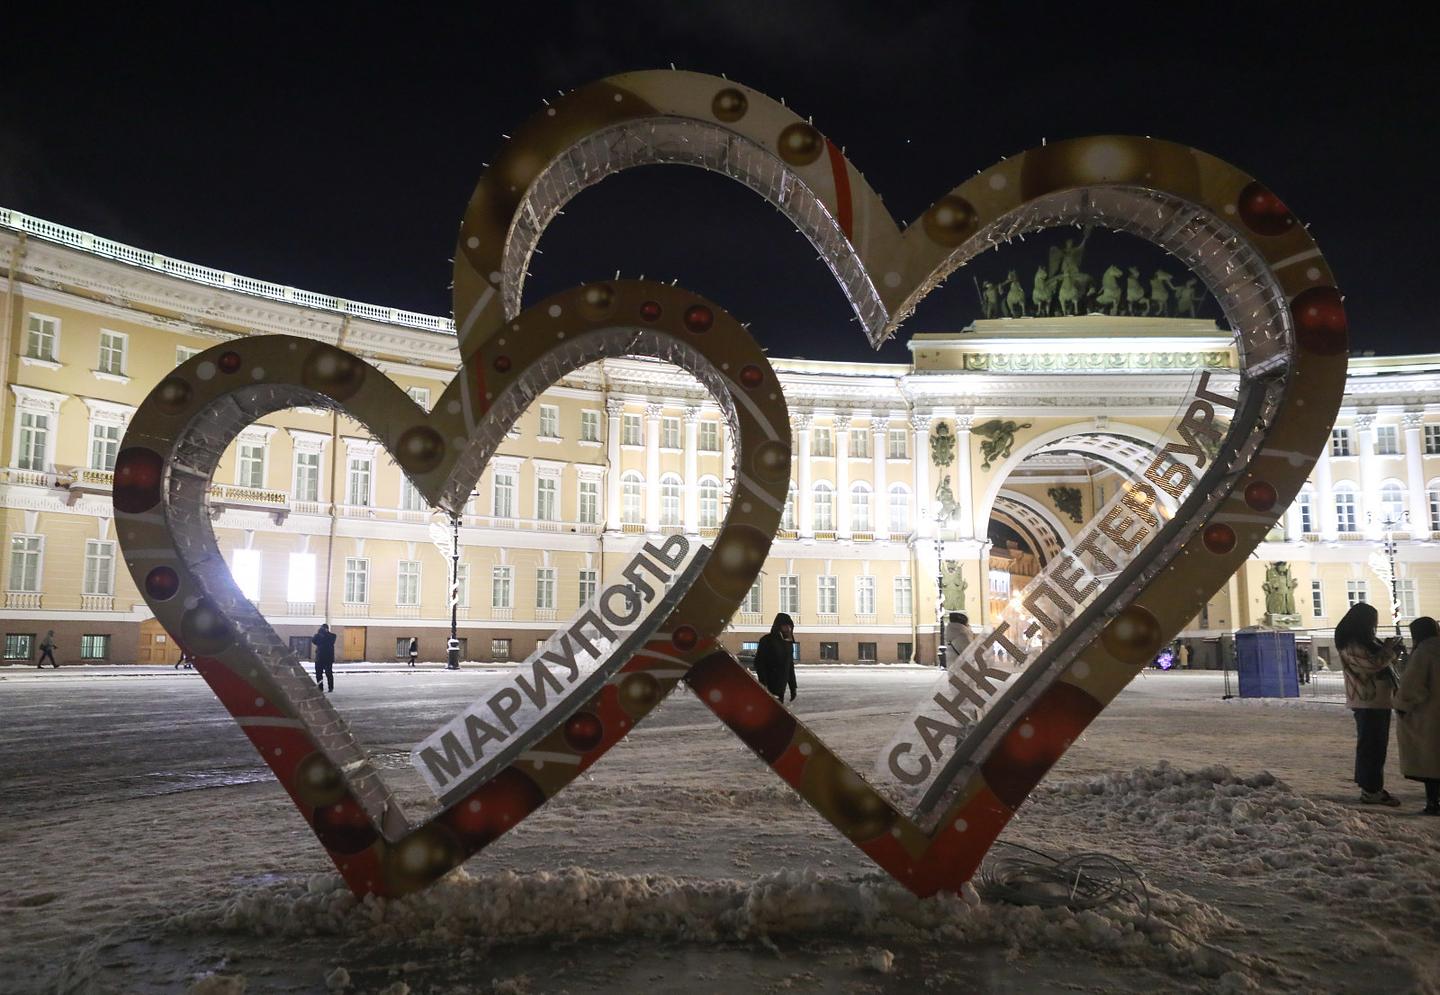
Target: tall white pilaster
[
  {"x": 920, "y": 463},
  {"x": 1325, "y": 496},
  {"x": 968, "y": 526},
  {"x": 652, "y": 467},
  {"x": 1370, "y": 513},
  {"x": 804, "y": 497},
  {"x": 842, "y": 476},
  {"x": 1415, "y": 475},
  {"x": 691, "y": 499},
  {"x": 614, "y": 408},
  {"x": 879, "y": 452}
]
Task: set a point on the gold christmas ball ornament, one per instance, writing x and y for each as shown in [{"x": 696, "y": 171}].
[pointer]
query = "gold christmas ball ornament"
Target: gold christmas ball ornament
[
  {"x": 950, "y": 221},
  {"x": 420, "y": 449},
  {"x": 1133, "y": 636},
  {"x": 845, "y": 799},
  {"x": 420, "y": 858},
  {"x": 771, "y": 461},
  {"x": 1109, "y": 159},
  {"x": 318, "y": 781},
  {"x": 736, "y": 560},
  {"x": 204, "y": 630},
  {"x": 173, "y": 395},
  {"x": 639, "y": 692},
  {"x": 729, "y": 105},
  {"x": 597, "y": 301},
  {"x": 800, "y": 144},
  {"x": 332, "y": 372}
]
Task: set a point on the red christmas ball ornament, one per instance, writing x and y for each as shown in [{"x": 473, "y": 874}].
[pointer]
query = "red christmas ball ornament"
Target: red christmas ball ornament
[
  {"x": 1261, "y": 495},
  {"x": 751, "y": 376},
  {"x": 1263, "y": 212},
  {"x": 651, "y": 311},
  {"x": 494, "y": 807},
  {"x": 138, "y": 474},
  {"x": 699, "y": 318},
  {"x": 741, "y": 703},
  {"x": 229, "y": 362},
  {"x": 684, "y": 638},
  {"x": 162, "y": 583},
  {"x": 1219, "y": 538},
  {"x": 343, "y": 827},
  {"x": 1033, "y": 744},
  {"x": 1320, "y": 324},
  {"x": 501, "y": 364},
  {"x": 584, "y": 731}
]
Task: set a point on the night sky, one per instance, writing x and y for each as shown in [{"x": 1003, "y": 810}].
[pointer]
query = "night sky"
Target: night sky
[{"x": 336, "y": 153}]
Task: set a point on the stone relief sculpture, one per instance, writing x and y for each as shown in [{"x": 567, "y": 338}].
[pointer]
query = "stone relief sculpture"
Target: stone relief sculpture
[
  {"x": 942, "y": 446},
  {"x": 949, "y": 508},
  {"x": 999, "y": 439},
  {"x": 1067, "y": 501},
  {"x": 1279, "y": 588},
  {"x": 953, "y": 585}
]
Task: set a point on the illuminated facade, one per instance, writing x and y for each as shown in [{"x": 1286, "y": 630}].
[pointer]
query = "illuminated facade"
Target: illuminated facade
[{"x": 1029, "y": 423}]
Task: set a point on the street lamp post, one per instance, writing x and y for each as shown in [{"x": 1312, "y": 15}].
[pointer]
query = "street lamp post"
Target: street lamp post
[
  {"x": 940, "y": 520},
  {"x": 1389, "y": 524},
  {"x": 452, "y": 655}
]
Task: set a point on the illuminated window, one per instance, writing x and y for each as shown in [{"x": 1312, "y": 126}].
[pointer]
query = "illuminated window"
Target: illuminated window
[
  {"x": 827, "y": 595},
  {"x": 632, "y": 498},
  {"x": 860, "y": 507},
  {"x": 670, "y": 500},
  {"x": 898, "y": 448},
  {"x": 589, "y": 426},
  {"x": 902, "y": 596},
  {"x": 824, "y": 507},
  {"x": 503, "y": 495},
  {"x": 589, "y": 501},
  {"x": 42, "y": 338},
  {"x": 307, "y": 475},
  {"x": 407, "y": 583},
  {"x": 502, "y": 587},
  {"x": 865, "y": 595},
  {"x": 545, "y": 588},
  {"x": 549, "y": 421},
  {"x": 709, "y": 503},
  {"x": 104, "y": 445},
  {"x": 25, "y": 556},
  {"x": 300, "y": 579},
  {"x": 710, "y": 436},
  {"x": 630, "y": 430},
  {"x": 357, "y": 581},
  {"x": 669, "y": 433},
  {"x": 790, "y": 594},
  {"x": 245, "y": 568},
  {"x": 99, "y": 567},
  {"x": 112, "y": 353}
]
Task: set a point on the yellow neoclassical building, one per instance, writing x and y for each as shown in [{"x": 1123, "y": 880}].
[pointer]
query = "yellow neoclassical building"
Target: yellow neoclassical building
[{"x": 963, "y": 471}]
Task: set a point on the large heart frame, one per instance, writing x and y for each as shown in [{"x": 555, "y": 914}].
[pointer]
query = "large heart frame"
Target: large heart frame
[
  {"x": 1253, "y": 255},
  {"x": 175, "y": 441}
]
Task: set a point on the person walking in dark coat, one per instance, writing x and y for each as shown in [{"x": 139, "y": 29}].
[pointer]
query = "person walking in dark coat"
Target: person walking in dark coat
[
  {"x": 324, "y": 641},
  {"x": 47, "y": 651},
  {"x": 414, "y": 649},
  {"x": 775, "y": 657}
]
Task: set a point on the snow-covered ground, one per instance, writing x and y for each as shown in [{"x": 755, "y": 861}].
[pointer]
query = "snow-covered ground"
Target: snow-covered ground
[{"x": 147, "y": 849}]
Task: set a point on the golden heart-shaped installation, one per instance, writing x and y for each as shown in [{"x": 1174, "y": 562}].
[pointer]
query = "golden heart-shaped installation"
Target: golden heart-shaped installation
[
  {"x": 169, "y": 456},
  {"x": 1253, "y": 255}
]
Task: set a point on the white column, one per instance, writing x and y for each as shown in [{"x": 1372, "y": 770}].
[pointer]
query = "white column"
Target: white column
[
  {"x": 967, "y": 527},
  {"x": 652, "y": 467},
  {"x": 920, "y": 463},
  {"x": 727, "y": 462},
  {"x": 1415, "y": 475},
  {"x": 842, "y": 476},
  {"x": 1325, "y": 495},
  {"x": 880, "y": 436},
  {"x": 691, "y": 500},
  {"x": 614, "y": 407},
  {"x": 804, "y": 497},
  {"x": 1292, "y": 521},
  {"x": 1370, "y": 516}
]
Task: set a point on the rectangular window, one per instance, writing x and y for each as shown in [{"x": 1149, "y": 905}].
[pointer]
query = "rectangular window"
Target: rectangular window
[
  {"x": 1307, "y": 513},
  {"x": 902, "y": 596},
  {"x": 899, "y": 510},
  {"x": 357, "y": 581},
  {"x": 709, "y": 436},
  {"x": 407, "y": 583},
  {"x": 104, "y": 445},
  {"x": 669, "y": 433},
  {"x": 589, "y": 580},
  {"x": 250, "y": 465},
  {"x": 752, "y": 599},
  {"x": 904, "y": 652},
  {"x": 112, "y": 353},
  {"x": 307, "y": 476},
  {"x": 1406, "y": 598},
  {"x": 867, "y": 652},
  {"x": 1345, "y": 517},
  {"x": 19, "y": 645},
  {"x": 461, "y": 594},
  {"x": 25, "y": 553},
  {"x": 1339, "y": 442},
  {"x": 420, "y": 395},
  {"x": 34, "y": 441},
  {"x": 830, "y": 651},
  {"x": 860, "y": 445},
  {"x": 1317, "y": 599},
  {"x": 95, "y": 647},
  {"x": 1432, "y": 440},
  {"x": 42, "y": 338},
  {"x": 1355, "y": 592},
  {"x": 503, "y": 495},
  {"x": 500, "y": 649},
  {"x": 865, "y": 595},
  {"x": 502, "y": 587},
  {"x": 790, "y": 594},
  {"x": 99, "y": 567},
  {"x": 410, "y": 497},
  {"x": 549, "y": 421},
  {"x": 823, "y": 443},
  {"x": 590, "y": 501},
  {"x": 185, "y": 353},
  {"x": 630, "y": 430},
  {"x": 547, "y": 499},
  {"x": 300, "y": 579},
  {"x": 899, "y": 449},
  {"x": 245, "y": 568},
  {"x": 545, "y": 587},
  {"x": 357, "y": 486},
  {"x": 1434, "y": 501},
  {"x": 827, "y": 595},
  {"x": 402, "y": 647},
  {"x": 589, "y": 426},
  {"x": 1387, "y": 440}
]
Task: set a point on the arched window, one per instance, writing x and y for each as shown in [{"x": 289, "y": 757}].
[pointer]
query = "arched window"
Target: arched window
[
  {"x": 632, "y": 498},
  {"x": 1305, "y": 503},
  {"x": 899, "y": 508},
  {"x": 787, "y": 519},
  {"x": 824, "y": 507},
  {"x": 1392, "y": 504},
  {"x": 860, "y": 507},
  {"x": 709, "y": 503},
  {"x": 1346, "y": 516},
  {"x": 670, "y": 499}
]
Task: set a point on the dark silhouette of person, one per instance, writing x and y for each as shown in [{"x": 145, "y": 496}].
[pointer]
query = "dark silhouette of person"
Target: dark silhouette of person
[
  {"x": 1369, "y": 686},
  {"x": 324, "y": 641},
  {"x": 775, "y": 657},
  {"x": 414, "y": 649},
  {"x": 47, "y": 651}
]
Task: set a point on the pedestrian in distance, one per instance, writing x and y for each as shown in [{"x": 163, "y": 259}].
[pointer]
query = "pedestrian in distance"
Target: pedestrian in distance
[
  {"x": 324, "y": 641},
  {"x": 1369, "y": 689},
  {"x": 1417, "y": 702},
  {"x": 1302, "y": 664},
  {"x": 958, "y": 635},
  {"x": 47, "y": 651},
  {"x": 775, "y": 657},
  {"x": 186, "y": 661},
  {"x": 414, "y": 649}
]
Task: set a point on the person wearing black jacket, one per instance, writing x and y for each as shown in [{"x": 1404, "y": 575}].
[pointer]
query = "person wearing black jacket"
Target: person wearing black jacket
[
  {"x": 324, "y": 641},
  {"x": 775, "y": 657}
]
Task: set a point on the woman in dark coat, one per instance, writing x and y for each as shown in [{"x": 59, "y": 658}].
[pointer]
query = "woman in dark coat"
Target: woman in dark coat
[
  {"x": 1369, "y": 685},
  {"x": 1418, "y": 705},
  {"x": 775, "y": 657}
]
